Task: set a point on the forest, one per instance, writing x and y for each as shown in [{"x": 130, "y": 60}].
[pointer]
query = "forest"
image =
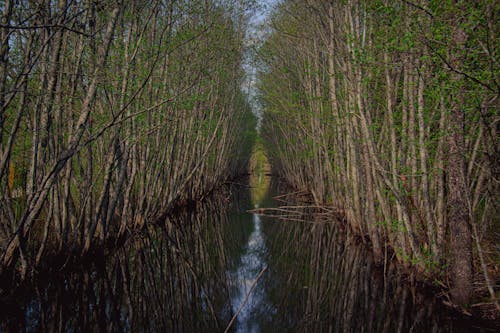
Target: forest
[
  {"x": 387, "y": 110},
  {"x": 114, "y": 114}
]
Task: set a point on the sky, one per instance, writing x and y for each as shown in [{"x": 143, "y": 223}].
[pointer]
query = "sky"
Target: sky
[{"x": 262, "y": 11}]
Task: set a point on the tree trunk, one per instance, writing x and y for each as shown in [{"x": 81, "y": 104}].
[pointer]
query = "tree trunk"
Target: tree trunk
[{"x": 458, "y": 203}]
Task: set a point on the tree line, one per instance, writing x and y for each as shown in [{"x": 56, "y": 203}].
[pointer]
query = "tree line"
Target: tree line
[
  {"x": 388, "y": 110},
  {"x": 111, "y": 113}
]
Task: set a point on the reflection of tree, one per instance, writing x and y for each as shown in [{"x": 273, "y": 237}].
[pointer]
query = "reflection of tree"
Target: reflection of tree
[
  {"x": 323, "y": 280},
  {"x": 170, "y": 278}
]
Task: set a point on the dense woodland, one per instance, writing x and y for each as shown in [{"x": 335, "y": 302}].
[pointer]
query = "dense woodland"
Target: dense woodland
[
  {"x": 111, "y": 113},
  {"x": 387, "y": 110}
]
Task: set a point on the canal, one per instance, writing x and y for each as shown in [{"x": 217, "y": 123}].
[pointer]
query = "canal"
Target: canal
[{"x": 217, "y": 267}]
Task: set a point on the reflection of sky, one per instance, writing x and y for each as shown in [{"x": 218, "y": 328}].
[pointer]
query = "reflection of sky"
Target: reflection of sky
[{"x": 251, "y": 263}]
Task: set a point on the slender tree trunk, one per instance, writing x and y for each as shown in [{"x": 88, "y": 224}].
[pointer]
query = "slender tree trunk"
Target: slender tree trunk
[{"x": 458, "y": 198}]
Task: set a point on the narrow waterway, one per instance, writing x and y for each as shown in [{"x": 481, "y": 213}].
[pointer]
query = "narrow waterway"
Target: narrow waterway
[
  {"x": 247, "y": 299},
  {"x": 215, "y": 262}
]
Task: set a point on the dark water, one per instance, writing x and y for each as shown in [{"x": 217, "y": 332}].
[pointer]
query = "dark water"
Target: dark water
[{"x": 194, "y": 273}]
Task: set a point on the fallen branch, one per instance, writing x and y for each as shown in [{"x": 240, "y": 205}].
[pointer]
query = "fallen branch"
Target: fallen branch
[
  {"x": 289, "y": 194},
  {"x": 245, "y": 300}
]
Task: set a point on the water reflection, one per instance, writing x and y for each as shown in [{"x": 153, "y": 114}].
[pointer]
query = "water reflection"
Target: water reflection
[
  {"x": 167, "y": 279},
  {"x": 322, "y": 279},
  {"x": 251, "y": 301},
  {"x": 193, "y": 274}
]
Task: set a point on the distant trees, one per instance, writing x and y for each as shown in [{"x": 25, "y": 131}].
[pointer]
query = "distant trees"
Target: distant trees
[
  {"x": 389, "y": 110},
  {"x": 110, "y": 113}
]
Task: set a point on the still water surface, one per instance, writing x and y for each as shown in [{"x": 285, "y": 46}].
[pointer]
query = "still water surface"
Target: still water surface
[{"x": 194, "y": 273}]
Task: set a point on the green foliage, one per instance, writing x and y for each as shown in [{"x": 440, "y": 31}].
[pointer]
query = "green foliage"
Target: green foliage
[
  {"x": 151, "y": 115},
  {"x": 398, "y": 73}
]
